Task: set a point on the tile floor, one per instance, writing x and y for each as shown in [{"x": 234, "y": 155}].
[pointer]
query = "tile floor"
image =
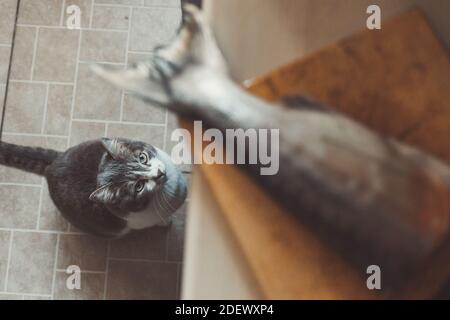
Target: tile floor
[{"x": 55, "y": 101}]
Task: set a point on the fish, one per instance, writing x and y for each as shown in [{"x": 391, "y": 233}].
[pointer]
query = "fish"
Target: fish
[{"x": 373, "y": 199}]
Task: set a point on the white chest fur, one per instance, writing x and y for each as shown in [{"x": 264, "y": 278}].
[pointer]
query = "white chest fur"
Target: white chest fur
[{"x": 145, "y": 219}]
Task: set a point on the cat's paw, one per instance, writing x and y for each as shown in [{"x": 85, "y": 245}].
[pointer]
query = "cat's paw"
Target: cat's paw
[{"x": 191, "y": 56}]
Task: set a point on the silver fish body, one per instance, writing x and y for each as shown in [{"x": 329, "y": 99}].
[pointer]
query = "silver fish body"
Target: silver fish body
[{"x": 372, "y": 198}]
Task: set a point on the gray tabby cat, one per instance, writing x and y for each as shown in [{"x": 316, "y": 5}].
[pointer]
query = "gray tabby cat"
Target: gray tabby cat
[{"x": 106, "y": 187}]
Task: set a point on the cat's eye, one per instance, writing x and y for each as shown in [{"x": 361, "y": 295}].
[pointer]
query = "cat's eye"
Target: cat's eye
[
  {"x": 143, "y": 158},
  {"x": 139, "y": 186}
]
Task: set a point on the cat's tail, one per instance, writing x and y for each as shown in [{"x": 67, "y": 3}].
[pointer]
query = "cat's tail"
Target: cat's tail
[{"x": 30, "y": 159}]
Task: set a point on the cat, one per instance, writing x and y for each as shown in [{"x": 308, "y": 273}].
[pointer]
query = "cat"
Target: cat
[{"x": 106, "y": 187}]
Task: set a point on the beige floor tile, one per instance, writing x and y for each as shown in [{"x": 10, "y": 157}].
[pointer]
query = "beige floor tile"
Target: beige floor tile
[
  {"x": 23, "y": 53},
  {"x": 165, "y": 20},
  {"x": 168, "y": 3},
  {"x": 56, "y": 54},
  {"x": 84, "y": 131},
  {"x": 59, "y": 105},
  {"x": 55, "y": 143},
  {"x": 4, "y": 251},
  {"x": 6, "y": 296},
  {"x": 31, "y": 297},
  {"x": 7, "y": 17},
  {"x": 176, "y": 235},
  {"x": 41, "y": 12},
  {"x": 94, "y": 98},
  {"x": 147, "y": 133},
  {"x": 25, "y": 107},
  {"x": 103, "y": 46},
  {"x": 91, "y": 287},
  {"x": 124, "y": 2},
  {"x": 85, "y": 7},
  {"x": 142, "y": 280},
  {"x": 135, "y": 110},
  {"x": 50, "y": 218},
  {"x": 150, "y": 244},
  {"x": 19, "y": 206},
  {"x": 87, "y": 252},
  {"x": 116, "y": 18},
  {"x": 32, "y": 262},
  {"x": 4, "y": 63}
]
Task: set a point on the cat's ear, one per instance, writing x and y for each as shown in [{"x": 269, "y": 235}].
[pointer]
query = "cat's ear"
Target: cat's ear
[
  {"x": 103, "y": 194},
  {"x": 113, "y": 146}
]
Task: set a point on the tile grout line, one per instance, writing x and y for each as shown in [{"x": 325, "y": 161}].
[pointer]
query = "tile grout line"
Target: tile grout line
[
  {"x": 9, "y": 70},
  {"x": 33, "y": 60},
  {"x": 83, "y": 271},
  {"x": 42, "y": 82},
  {"x": 122, "y": 99},
  {"x": 166, "y": 121},
  {"x": 142, "y": 260},
  {"x": 91, "y": 17},
  {"x": 44, "y": 116},
  {"x": 130, "y": 18},
  {"x": 105, "y": 283},
  {"x": 26, "y": 294},
  {"x": 37, "y": 135},
  {"x": 41, "y": 195},
  {"x": 19, "y": 185},
  {"x": 9, "y": 260},
  {"x": 64, "y": 28},
  {"x": 120, "y": 122},
  {"x": 74, "y": 91},
  {"x": 55, "y": 265},
  {"x": 140, "y": 51},
  {"x": 63, "y": 10},
  {"x": 73, "y": 233},
  {"x": 142, "y": 6},
  {"x": 44, "y": 121},
  {"x": 112, "y": 5},
  {"x": 102, "y": 62}
]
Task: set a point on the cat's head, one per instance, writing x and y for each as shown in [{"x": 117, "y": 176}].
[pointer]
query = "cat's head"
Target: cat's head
[{"x": 129, "y": 174}]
